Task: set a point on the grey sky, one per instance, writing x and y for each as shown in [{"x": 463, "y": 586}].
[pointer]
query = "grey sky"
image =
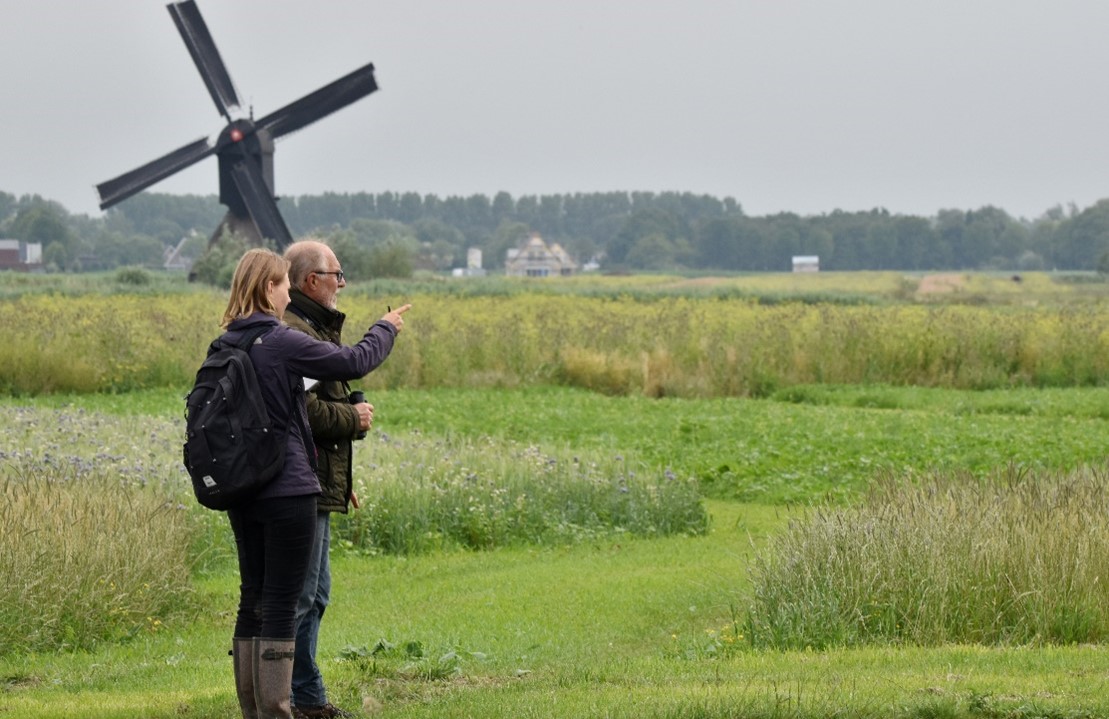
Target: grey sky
[{"x": 785, "y": 105}]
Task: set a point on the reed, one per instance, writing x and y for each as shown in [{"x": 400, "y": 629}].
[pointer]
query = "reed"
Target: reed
[
  {"x": 87, "y": 558},
  {"x": 1017, "y": 558},
  {"x": 681, "y": 347},
  {"x": 423, "y": 493},
  {"x": 100, "y": 537}
]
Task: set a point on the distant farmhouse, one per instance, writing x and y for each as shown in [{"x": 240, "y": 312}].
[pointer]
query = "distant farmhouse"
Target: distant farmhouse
[
  {"x": 20, "y": 256},
  {"x": 535, "y": 258}
]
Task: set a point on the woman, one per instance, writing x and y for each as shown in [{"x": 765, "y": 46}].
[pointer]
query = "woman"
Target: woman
[{"x": 275, "y": 529}]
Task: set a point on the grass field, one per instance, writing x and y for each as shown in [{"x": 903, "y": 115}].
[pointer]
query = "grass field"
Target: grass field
[
  {"x": 801, "y": 445},
  {"x": 641, "y": 613},
  {"x": 669, "y": 338},
  {"x": 610, "y": 626},
  {"x": 635, "y": 629}
]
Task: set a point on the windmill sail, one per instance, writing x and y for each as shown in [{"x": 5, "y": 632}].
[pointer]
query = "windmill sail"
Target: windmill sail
[
  {"x": 244, "y": 147},
  {"x": 322, "y": 102},
  {"x": 194, "y": 31},
  {"x": 133, "y": 182}
]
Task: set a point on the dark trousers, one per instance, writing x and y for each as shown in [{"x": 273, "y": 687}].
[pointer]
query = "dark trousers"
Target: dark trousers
[{"x": 274, "y": 541}]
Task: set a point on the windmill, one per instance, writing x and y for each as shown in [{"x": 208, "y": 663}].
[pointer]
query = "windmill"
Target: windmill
[{"x": 245, "y": 146}]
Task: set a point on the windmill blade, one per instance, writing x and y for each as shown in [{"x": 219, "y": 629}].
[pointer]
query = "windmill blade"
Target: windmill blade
[
  {"x": 320, "y": 103},
  {"x": 195, "y": 33},
  {"x": 259, "y": 202},
  {"x": 137, "y": 180}
]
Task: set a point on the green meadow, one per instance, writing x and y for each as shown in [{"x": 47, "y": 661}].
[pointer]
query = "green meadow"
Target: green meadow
[{"x": 616, "y": 497}]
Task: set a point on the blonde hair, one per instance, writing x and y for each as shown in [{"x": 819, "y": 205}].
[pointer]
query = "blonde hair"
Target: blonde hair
[{"x": 256, "y": 269}]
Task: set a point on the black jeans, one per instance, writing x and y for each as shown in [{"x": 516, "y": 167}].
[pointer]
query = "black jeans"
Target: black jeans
[{"x": 274, "y": 539}]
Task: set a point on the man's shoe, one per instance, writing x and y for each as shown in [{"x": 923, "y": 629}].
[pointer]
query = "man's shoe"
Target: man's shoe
[{"x": 327, "y": 711}]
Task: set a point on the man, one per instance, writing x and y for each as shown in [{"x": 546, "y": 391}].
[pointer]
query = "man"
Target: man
[{"x": 316, "y": 277}]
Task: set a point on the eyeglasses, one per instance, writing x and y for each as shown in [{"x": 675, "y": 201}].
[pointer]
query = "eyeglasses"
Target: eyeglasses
[{"x": 338, "y": 274}]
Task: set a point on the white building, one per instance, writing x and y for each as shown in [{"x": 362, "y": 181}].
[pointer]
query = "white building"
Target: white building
[
  {"x": 473, "y": 266},
  {"x": 806, "y": 263}
]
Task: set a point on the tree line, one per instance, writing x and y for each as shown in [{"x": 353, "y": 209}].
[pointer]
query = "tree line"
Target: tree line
[{"x": 623, "y": 231}]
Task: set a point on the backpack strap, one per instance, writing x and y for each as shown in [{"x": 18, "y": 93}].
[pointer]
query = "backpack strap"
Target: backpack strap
[
  {"x": 253, "y": 336},
  {"x": 245, "y": 342}
]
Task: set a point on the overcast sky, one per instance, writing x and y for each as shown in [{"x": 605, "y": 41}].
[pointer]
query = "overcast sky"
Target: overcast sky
[{"x": 785, "y": 105}]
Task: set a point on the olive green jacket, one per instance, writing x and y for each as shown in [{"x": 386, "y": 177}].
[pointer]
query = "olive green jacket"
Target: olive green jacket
[{"x": 333, "y": 420}]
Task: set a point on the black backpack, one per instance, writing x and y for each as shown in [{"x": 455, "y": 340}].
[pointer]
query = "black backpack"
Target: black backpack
[{"x": 231, "y": 449}]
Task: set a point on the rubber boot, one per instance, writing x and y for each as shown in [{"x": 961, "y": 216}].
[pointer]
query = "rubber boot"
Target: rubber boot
[
  {"x": 242, "y": 653},
  {"x": 273, "y": 677}
]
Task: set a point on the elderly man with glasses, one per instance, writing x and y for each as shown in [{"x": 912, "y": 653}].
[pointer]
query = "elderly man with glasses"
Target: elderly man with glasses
[{"x": 335, "y": 420}]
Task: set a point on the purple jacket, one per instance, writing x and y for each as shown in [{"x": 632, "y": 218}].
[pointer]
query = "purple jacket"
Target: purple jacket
[{"x": 282, "y": 359}]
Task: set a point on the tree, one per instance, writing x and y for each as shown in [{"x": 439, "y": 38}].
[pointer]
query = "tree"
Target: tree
[
  {"x": 916, "y": 243},
  {"x": 7, "y": 206},
  {"x": 441, "y": 246},
  {"x": 370, "y": 233},
  {"x": 438, "y": 256},
  {"x": 355, "y": 258},
  {"x": 1083, "y": 239},
  {"x": 653, "y": 252},
  {"x": 755, "y": 251},
  {"x": 639, "y": 225},
  {"x": 993, "y": 239},
  {"x": 508, "y": 235},
  {"x": 430, "y": 230},
  {"x": 217, "y": 265},
  {"x": 410, "y": 207},
  {"x": 503, "y": 208},
  {"x": 950, "y": 227},
  {"x": 166, "y": 217},
  {"x": 392, "y": 259},
  {"x": 114, "y": 249}
]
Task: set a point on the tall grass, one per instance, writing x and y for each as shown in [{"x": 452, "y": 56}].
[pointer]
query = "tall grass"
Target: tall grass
[
  {"x": 121, "y": 281},
  {"x": 100, "y": 535},
  {"x": 423, "y": 493},
  {"x": 1017, "y": 558},
  {"x": 86, "y": 557},
  {"x": 101, "y": 343},
  {"x": 684, "y": 347}
]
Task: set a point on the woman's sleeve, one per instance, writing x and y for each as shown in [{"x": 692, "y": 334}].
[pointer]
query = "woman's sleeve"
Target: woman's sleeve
[{"x": 327, "y": 361}]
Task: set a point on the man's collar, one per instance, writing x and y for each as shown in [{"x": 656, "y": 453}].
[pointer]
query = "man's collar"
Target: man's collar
[{"x": 313, "y": 311}]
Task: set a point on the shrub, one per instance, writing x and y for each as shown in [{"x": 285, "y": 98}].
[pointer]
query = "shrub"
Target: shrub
[
  {"x": 1012, "y": 559},
  {"x": 133, "y": 276},
  {"x": 217, "y": 265}
]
